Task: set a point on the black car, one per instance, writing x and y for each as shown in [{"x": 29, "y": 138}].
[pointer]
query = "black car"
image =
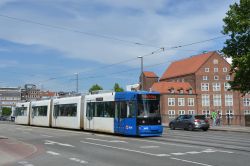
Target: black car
[{"x": 190, "y": 122}]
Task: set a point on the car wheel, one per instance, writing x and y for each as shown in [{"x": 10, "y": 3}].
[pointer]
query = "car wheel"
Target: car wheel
[
  {"x": 205, "y": 129},
  {"x": 190, "y": 127},
  {"x": 172, "y": 126}
]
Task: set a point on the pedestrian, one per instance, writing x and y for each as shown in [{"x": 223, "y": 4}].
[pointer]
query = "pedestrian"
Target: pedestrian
[
  {"x": 218, "y": 119},
  {"x": 214, "y": 116}
]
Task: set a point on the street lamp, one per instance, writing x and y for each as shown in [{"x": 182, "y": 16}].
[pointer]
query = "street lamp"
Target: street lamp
[
  {"x": 141, "y": 57},
  {"x": 76, "y": 82}
]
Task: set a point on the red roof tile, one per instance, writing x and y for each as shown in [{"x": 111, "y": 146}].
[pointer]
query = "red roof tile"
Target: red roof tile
[
  {"x": 186, "y": 66},
  {"x": 149, "y": 74},
  {"x": 164, "y": 87}
]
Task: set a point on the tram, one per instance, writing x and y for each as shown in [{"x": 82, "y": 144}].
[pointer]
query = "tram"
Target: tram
[{"x": 124, "y": 113}]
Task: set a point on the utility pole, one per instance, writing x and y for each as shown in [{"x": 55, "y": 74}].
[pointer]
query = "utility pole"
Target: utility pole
[
  {"x": 141, "y": 76},
  {"x": 76, "y": 82}
]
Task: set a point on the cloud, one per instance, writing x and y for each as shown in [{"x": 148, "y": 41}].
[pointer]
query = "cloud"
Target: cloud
[
  {"x": 8, "y": 63},
  {"x": 162, "y": 23}
]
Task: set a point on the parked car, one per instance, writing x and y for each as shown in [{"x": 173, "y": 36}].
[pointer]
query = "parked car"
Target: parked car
[
  {"x": 190, "y": 122},
  {"x": 3, "y": 118}
]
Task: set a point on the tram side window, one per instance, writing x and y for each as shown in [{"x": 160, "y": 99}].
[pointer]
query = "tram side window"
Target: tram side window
[
  {"x": 90, "y": 109},
  {"x": 109, "y": 110},
  {"x": 65, "y": 110},
  {"x": 40, "y": 111},
  {"x": 131, "y": 109},
  {"x": 123, "y": 110},
  {"x": 21, "y": 111},
  {"x": 99, "y": 112},
  {"x": 104, "y": 109}
]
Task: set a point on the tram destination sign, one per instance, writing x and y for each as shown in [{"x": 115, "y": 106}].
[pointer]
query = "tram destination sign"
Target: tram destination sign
[{"x": 148, "y": 97}]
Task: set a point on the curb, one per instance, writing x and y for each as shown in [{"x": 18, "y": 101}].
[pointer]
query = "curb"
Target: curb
[{"x": 225, "y": 130}]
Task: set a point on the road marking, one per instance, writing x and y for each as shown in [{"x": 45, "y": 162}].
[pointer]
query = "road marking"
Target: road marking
[
  {"x": 53, "y": 153},
  {"x": 79, "y": 160},
  {"x": 188, "y": 161},
  {"x": 193, "y": 152},
  {"x": 149, "y": 147},
  {"x": 178, "y": 154},
  {"x": 102, "y": 140},
  {"x": 125, "y": 149},
  {"x": 224, "y": 151},
  {"x": 48, "y": 142},
  {"x": 209, "y": 151},
  {"x": 25, "y": 163},
  {"x": 162, "y": 155}
]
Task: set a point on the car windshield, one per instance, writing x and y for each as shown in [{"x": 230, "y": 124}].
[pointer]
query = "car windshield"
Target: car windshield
[{"x": 148, "y": 106}]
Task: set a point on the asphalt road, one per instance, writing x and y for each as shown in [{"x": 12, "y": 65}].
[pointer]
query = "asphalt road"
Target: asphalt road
[{"x": 37, "y": 146}]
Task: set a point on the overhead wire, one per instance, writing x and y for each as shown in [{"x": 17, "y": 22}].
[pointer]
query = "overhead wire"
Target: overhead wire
[{"x": 74, "y": 30}]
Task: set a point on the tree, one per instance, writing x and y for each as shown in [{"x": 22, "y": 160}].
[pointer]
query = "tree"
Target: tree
[
  {"x": 117, "y": 88},
  {"x": 6, "y": 111},
  {"x": 95, "y": 87},
  {"x": 237, "y": 26}
]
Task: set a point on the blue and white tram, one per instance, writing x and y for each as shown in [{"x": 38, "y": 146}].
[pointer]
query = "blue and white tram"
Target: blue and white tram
[{"x": 126, "y": 113}]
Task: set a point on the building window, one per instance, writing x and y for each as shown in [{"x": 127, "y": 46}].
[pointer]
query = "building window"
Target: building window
[
  {"x": 206, "y": 69},
  {"x": 205, "y": 100},
  {"x": 216, "y": 77},
  {"x": 190, "y": 91},
  {"x": 181, "y": 102},
  {"x": 228, "y": 77},
  {"x": 215, "y": 61},
  {"x": 217, "y": 100},
  {"x": 227, "y": 86},
  {"x": 224, "y": 69},
  {"x": 229, "y": 114},
  {"x": 181, "y": 91},
  {"x": 215, "y": 69},
  {"x": 204, "y": 86},
  {"x": 171, "y": 90},
  {"x": 204, "y": 78},
  {"x": 191, "y": 112},
  {"x": 216, "y": 86},
  {"x": 228, "y": 100},
  {"x": 246, "y": 101},
  {"x": 190, "y": 101},
  {"x": 171, "y": 101},
  {"x": 206, "y": 113},
  {"x": 247, "y": 112},
  {"x": 181, "y": 112},
  {"x": 171, "y": 114}
]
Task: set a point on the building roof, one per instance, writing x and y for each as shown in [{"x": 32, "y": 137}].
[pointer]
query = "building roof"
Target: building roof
[
  {"x": 186, "y": 66},
  {"x": 164, "y": 87},
  {"x": 149, "y": 74}
]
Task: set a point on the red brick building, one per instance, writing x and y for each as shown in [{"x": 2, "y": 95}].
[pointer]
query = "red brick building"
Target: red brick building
[{"x": 207, "y": 76}]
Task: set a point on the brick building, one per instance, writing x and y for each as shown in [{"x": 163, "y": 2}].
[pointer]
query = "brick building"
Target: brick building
[
  {"x": 208, "y": 76},
  {"x": 177, "y": 98}
]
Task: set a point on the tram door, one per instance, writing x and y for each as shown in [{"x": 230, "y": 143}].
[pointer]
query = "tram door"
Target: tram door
[
  {"x": 124, "y": 124},
  {"x": 90, "y": 115}
]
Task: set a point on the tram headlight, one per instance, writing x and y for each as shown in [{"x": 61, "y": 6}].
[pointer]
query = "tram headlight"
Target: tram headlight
[
  {"x": 159, "y": 121},
  {"x": 143, "y": 121}
]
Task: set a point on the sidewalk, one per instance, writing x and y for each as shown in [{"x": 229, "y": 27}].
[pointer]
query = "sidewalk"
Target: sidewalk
[{"x": 232, "y": 128}]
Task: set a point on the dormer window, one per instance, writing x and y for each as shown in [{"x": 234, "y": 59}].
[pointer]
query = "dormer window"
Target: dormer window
[
  {"x": 190, "y": 91},
  {"x": 181, "y": 91},
  {"x": 172, "y": 90}
]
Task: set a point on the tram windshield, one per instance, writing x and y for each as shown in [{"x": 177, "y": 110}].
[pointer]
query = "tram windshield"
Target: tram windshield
[{"x": 148, "y": 105}]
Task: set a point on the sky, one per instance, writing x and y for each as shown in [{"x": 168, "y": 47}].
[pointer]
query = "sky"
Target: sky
[{"x": 46, "y": 42}]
